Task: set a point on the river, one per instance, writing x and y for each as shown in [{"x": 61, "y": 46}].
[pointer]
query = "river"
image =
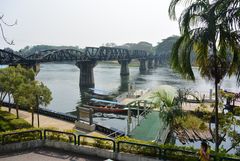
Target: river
[{"x": 63, "y": 80}]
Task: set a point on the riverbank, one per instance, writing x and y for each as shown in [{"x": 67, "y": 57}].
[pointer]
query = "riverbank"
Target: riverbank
[{"x": 45, "y": 121}]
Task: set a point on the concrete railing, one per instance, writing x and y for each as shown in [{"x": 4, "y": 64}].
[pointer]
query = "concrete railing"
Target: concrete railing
[{"x": 118, "y": 150}]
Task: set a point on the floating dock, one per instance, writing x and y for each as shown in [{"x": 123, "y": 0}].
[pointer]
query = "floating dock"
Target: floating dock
[{"x": 152, "y": 128}]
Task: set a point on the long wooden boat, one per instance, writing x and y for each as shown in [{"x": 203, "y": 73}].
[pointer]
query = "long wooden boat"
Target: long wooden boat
[
  {"x": 98, "y": 96},
  {"x": 99, "y": 102},
  {"x": 107, "y": 109}
]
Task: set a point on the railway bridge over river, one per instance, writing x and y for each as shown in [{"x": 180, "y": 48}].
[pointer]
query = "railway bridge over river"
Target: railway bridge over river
[{"x": 86, "y": 60}]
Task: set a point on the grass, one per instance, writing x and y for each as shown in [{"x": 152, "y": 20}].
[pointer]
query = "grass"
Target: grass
[
  {"x": 190, "y": 121},
  {"x": 9, "y": 122}
]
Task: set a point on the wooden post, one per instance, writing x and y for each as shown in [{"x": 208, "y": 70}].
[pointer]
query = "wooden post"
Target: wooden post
[
  {"x": 128, "y": 120},
  {"x": 144, "y": 106},
  {"x": 138, "y": 122}
]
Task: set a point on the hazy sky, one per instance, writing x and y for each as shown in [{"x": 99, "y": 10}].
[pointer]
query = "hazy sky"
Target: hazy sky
[{"x": 86, "y": 22}]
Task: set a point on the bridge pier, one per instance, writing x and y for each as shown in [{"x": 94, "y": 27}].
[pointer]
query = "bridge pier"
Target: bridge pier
[
  {"x": 124, "y": 67},
  {"x": 150, "y": 63},
  {"x": 86, "y": 73},
  {"x": 143, "y": 67}
]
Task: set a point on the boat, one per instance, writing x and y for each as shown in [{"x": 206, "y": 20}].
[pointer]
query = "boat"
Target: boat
[
  {"x": 107, "y": 109},
  {"x": 99, "y": 94},
  {"x": 100, "y": 102},
  {"x": 106, "y": 106}
]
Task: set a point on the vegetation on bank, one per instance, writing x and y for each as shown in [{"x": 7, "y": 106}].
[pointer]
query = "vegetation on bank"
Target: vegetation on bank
[
  {"x": 20, "y": 87},
  {"x": 132, "y": 146},
  {"x": 9, "y": 122},
  {"x": 210, "y": 29}
]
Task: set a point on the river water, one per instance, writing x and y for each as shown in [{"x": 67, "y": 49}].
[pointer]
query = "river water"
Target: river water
[{"x": 63, "y": 80}]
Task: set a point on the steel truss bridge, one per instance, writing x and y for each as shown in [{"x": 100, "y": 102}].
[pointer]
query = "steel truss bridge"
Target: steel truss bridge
[{"x": 86, "y": 60}]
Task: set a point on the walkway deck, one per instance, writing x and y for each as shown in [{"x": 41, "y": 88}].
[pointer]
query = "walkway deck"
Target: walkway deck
[
  {"x": 150, "y": 127},
  {"x": 45, "y": 121},
  {"x": 48, "y": 154},
  {"x": 49, "y": 122}
]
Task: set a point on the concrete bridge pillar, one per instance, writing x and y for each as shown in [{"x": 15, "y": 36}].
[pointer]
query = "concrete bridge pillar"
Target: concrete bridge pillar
[
  {"x": 86, "y": 73},
  {"x": 150, "y": 63},
  {"x": 143, "y": 67},
  {"x": 124, "y": 67}
]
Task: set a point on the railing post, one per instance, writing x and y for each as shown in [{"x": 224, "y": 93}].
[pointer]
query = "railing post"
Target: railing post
[
  {"x": 79, "y": 140},
  {"x": 44, "y": 134},
  {"x": 3, "y": 139},
  {"x": 118, "y": 146},
  {"x": 160, "y": 153},
  {"x": 75, "y": 139},
  {"x": 114, "y": 145},
  {"x": 40, "y": 131}
]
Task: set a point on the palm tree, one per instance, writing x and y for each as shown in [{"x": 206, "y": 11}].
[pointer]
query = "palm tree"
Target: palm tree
[
  {"x": 208, "y": 29},
  {"x": 166, "y": 98}
]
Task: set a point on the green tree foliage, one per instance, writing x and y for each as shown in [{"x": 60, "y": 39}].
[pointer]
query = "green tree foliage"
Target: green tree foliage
[
  {"x": 32, "y": 95},
  {"x": 139, "y": 46},
  {"x": 210, "y": 29},
  {"x": 19, "y": 83},
  {"x": 169, "y": 106},
  {"x": 32, "y": 49},
  {"x": 164, "y": 48},
  {"x": 11, "y": 79}
]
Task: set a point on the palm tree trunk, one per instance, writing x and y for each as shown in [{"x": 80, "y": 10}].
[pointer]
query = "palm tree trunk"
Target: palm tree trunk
[
  {"x": 216, "y": 81},
  {"x": 9, "y": 101},
  {"x": 38, "y": 118},
  {"x": 216, "y": 118},
  {"x": 37, "y": 107}
]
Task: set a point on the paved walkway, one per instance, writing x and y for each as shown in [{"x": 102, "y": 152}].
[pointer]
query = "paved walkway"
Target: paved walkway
[
  {"x": 45, "y": 121},
  {"x": 47, "y": 154}
]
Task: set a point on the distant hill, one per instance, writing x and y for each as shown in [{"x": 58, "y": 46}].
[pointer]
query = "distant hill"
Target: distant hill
[
  {"x": 32, "y": 49},
  {"x": 139, "y": 46},
  {"x": 164, "y": 48}
]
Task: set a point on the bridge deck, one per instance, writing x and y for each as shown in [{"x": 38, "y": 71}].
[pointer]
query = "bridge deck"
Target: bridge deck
[{"x": 150, "y": 127}]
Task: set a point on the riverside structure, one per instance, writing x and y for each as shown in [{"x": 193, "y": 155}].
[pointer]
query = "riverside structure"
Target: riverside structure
[{"x": 85, "y": 60}]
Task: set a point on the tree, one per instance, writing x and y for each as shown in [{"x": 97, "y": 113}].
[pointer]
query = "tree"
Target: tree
[
  {"x": 10, "y": 80},
  {"x": 32, "y": 95},
  {"x": 169, "y": 106},
  {"x": 163, "y": 49},
  {"x": 210, "y": 29}
]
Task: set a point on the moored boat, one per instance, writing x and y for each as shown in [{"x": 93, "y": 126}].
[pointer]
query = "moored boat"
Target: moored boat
[
  {"x": 99, "y": 94},
  {"x": 107, "y": 109}
]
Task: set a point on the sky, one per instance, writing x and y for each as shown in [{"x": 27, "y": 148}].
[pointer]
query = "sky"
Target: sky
[{"x": 86, "y": 22}]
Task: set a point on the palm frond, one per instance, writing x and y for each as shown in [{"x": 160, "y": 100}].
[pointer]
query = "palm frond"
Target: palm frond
[{"x": 175, "y": 64}]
